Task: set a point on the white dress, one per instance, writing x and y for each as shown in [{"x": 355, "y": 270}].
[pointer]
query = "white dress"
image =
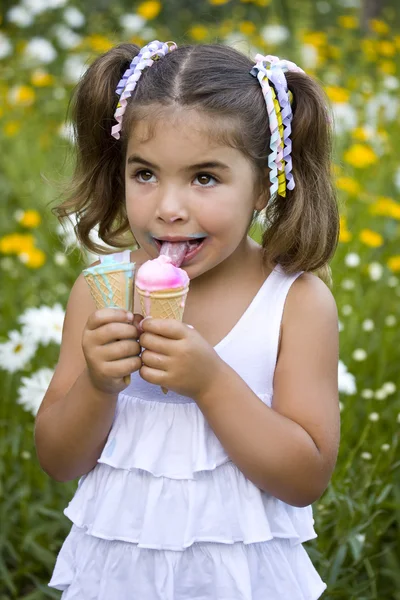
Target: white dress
[{"x": 166, "y": 515}]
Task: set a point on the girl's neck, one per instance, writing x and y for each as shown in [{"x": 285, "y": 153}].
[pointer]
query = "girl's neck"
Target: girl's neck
[{"x": 244, "y": 264}]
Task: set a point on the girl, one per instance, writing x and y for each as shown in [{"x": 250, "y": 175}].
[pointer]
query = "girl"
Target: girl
[{"x": 205, "y": 492}]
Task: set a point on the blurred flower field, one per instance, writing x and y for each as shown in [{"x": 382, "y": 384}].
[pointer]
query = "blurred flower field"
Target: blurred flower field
[{"x": 44, "y": 48}]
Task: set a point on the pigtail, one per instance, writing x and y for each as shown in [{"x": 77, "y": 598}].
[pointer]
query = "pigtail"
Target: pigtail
[
  {"x": 303, "y": 228},
  {"x": 96, "y": 191}
]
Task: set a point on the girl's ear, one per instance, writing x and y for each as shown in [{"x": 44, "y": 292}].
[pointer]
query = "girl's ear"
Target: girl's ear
[
  {"x": 262, "y": 192},
  {"x": 262, "y": 199}
]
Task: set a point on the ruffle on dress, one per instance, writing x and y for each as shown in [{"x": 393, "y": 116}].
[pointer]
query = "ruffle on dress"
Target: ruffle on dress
[
  {"x": 161, "y": 513},
  {"x": 163, "y": 438},
  {"x": 90, "y": 568}
]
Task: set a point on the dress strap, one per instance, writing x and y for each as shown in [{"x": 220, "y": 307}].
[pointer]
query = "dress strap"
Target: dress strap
[{"x": 118, "y": 257}]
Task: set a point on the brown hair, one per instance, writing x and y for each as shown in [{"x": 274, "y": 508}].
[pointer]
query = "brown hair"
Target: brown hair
[{"x": 301, "y": 230}]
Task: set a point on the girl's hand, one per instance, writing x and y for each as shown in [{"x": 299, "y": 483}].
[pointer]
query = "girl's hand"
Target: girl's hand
[
  {"x": 177, "y": 357},
  {"x": 110, "y": 346}
]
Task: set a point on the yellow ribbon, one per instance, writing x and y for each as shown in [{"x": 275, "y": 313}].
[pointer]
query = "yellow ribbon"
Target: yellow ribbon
[{"x": 281, "y": 172}]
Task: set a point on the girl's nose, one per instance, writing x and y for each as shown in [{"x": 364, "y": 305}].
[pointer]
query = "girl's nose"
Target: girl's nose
[{"x": 171, "y": 208}]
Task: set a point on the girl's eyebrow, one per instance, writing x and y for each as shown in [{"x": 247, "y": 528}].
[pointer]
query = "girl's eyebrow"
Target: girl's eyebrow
[{"x": 215, "y": 164}]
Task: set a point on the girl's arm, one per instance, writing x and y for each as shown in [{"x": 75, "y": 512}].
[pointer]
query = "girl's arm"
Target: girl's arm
[
  {"x": 288, "y": 450},
  {"x": 75, "y": 417}
]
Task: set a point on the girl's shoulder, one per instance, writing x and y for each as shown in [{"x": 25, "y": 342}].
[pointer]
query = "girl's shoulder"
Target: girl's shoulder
[{"x": 309, "y": 300}]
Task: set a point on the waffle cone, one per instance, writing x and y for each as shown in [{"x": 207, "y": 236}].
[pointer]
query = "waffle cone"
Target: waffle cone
[
  {"x": 163, "y": 304},
  {"x": 112, "y": 289}
]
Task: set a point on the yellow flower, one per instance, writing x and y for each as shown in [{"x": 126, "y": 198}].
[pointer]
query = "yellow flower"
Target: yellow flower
[
  {"x": 371, "y": 238},
  {"x": 198, "y": 32},
  {"x": 394, "y": 263},
  {"x": 348, "y": 22},
  {"x": 337, "y": 94},
  {"x": 226, "y": 27},
  {"x": 41, "y": 78},
  {"x": 247, "y": 27},
  {"x": 388, "y": 67},
  {"x": 385, "y": 207},
  {"x": 368, "y": 47},
  {"x": 379, "y": 26},
  {"x": 150, "y": 9},
  {"x": 360, "y": 133},
  {"x": 263, "y": 2},
  {"x": 135, "y": 39},
  {"x": 99, "y": 43},
  {"x": 34, "y": 259},
  {"x": 15, "y": 243},
  {"x": 22, "y": 95},
  {"x": 12, "y": 128},
  {"x": 349, "y": 185},
  {"x": 344, "y": 235},
  {"x": 315, "y": 38},
  {"x": 360, "y": 156},
  {"x": 31, "y": 219},
  {"x": 218, "y": 2},
  {"x": 387, "y": 48}
]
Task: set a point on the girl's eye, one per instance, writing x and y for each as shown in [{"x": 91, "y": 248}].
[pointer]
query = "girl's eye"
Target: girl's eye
[
  {"x": 144, "y": 176},
  {"x": 206, "y": 180}
]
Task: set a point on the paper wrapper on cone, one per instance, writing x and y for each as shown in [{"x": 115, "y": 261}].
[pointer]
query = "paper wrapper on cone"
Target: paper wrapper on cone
[
  {"x": 111, "y": 286},
  {"x": 163, "y": 304}
]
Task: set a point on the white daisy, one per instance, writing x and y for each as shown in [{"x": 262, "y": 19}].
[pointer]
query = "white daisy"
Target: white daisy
[
  {"x": 44, "y": 324},
  {"x": 375, "y": 271},
  {"x": 359, "y": 354},
  {"x": 352, "y": 259},
  {"x": 36, "y": 7},
  {"x": 345, "y": 117},
  {"x": 20, "y": 16},
  {"x": 132, "y": 23},
  {"x": 347, "y": 381},
  {"x": 66, "y": 37},
  {"x": 16, "y": 352},
  {"x": 33, "y": 389},
  {"x": 74, "y": 67},
  {"x": 5, "y": 46},
  {"x": 74, "y": 17},
  {"x": 40, "y": 50},
  {"x": 275, "y": 34}
]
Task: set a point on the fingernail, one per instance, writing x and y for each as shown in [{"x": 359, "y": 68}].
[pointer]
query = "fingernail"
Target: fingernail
[
  {"x": 129, "y": 316},
  {"x": 142, "y": 321},
  {"x": 191, "y": 326}
]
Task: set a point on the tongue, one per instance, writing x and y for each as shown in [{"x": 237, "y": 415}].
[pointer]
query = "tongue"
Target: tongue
[{"x": 176, "y": 251}]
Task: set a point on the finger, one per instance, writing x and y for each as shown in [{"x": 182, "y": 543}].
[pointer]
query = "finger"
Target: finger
[
  {"x": 119, "y": 350},
  {"x": 169, "y": 328},
  {"x": 115, "y": 331},
  {"x": 153, "y": 375},
  {"x": 156, "y": 343},
  {"x": 108, "y": 315},
  {"x": 121, "y": 368},
  {"x": 154, "y": 360},
  {"x": 137, "y": 319}
]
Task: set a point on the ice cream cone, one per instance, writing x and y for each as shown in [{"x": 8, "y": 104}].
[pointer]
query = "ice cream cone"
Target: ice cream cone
[
  {"x": 163, "y": 304},
  {"x": 111, "y": 286},
  {"x": 162, "y": 286}
]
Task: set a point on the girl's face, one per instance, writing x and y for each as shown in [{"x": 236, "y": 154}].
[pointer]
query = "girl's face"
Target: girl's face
[{"x": 180, "y": 184}]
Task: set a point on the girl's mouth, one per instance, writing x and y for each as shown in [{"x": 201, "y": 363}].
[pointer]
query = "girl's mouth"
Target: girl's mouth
[{"x": 193, "y": 247}]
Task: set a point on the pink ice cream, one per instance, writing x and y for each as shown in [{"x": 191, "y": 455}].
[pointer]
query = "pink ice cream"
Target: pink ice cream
[{"x": 161, "y": 274}]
